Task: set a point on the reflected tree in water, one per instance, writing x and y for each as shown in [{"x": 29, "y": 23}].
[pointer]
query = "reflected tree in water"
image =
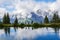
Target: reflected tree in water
[
  {"x": 15, "y": 28},
  {"x": 7, "y": 31},
  {"x": 56, "y": 30}
]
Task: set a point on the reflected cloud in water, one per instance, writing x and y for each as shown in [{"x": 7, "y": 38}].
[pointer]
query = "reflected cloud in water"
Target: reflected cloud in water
[{"x": 29, "y": 34}]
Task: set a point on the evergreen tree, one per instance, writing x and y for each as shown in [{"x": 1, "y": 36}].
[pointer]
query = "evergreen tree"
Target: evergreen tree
[
  {"x": 4, "y": 19},
  {"x": 55, "y": 18},
  {"x": 46, "y": 20},
  {"x": 16, "y": 21},
  {"x": 8, "y": 19}
]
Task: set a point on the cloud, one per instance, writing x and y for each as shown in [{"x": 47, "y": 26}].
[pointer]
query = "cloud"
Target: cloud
[
  {"x": 27, "y": 6},
  {"x": 24, "y": 7},
  {"x": 27, "y": 33},
  {"x": 31, "y": 34},
  {"x": 2, "y": 12}
]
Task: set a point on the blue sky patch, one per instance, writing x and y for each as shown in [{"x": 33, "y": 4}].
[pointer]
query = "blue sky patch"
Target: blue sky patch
[{"x": 45, "y": 0}]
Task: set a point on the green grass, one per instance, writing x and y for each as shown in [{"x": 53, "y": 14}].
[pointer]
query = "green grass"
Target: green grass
[{"x": 35, "y": 25}]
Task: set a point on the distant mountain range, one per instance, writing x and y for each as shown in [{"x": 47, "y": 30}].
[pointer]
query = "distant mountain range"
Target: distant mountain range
[{"x": 37, "y": 16}]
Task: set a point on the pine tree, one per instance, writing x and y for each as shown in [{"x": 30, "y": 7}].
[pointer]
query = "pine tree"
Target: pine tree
[
  {"x": 8, "y": 19},
  {"x": 16, "y": 21},
  {"x": 4, "y": 19},
  {"x": 46, "y": 20},
  {"x": 55, "y": 18}
]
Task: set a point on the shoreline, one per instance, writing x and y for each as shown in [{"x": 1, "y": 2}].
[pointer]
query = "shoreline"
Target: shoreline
[{"x": 35, "y": 25}]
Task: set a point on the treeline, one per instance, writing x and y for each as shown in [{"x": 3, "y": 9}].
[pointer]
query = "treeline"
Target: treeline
[
  {"x": 6, "y": 21},
  {"x": 54, "y": 21},
  {"x": 55, "y": 18}
]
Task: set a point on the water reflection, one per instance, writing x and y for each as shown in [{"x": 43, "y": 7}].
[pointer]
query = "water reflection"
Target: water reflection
[
  {"x": 15, "y": 28},
  {"x": 7, "y": 31},
  {"x": 29, "y": 33}
]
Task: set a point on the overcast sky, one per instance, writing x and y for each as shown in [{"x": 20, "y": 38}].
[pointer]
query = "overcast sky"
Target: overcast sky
[{"x": 25, "y": 6}]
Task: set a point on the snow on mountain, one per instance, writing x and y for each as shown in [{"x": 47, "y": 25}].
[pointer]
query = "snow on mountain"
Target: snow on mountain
[
  {"x": 37, "y": 18},
  {"x": 25, "y": 16}
]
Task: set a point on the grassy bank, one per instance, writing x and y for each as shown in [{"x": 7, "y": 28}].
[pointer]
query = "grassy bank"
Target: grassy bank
[{"x": 35, "y": 25}]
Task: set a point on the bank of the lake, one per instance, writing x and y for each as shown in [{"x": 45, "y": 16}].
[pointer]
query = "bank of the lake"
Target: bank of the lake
[{"x": 35, "y": 25}]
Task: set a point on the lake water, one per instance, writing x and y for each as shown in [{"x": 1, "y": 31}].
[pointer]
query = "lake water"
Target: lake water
[{"x": 30, "y": 33}]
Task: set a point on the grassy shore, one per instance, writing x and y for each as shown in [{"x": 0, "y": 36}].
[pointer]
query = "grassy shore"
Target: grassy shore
[{"x": 35, "y": 25}]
